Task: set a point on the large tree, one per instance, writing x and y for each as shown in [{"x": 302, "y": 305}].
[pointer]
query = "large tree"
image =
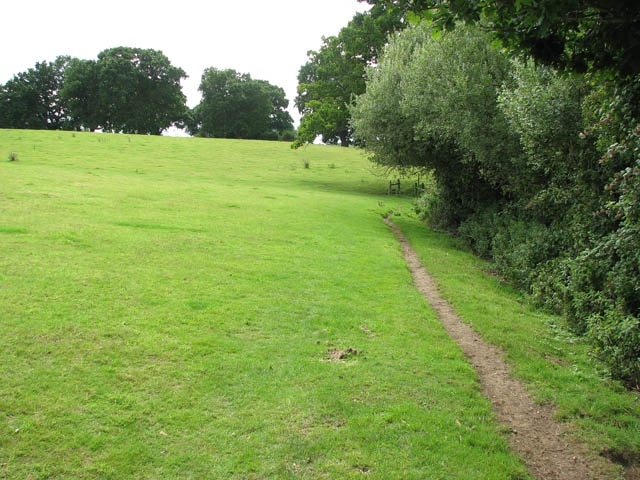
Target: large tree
[
  {"x": 432, "y": 103},
  {"x": 334, "y": 75},
  {"x": 32, "y": 98},
  {"x": 129, "y": 90},
  {"x": 234, "y": 105}
]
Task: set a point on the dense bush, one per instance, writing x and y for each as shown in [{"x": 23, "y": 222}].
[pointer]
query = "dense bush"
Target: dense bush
[{"x": 582, "y": 147}]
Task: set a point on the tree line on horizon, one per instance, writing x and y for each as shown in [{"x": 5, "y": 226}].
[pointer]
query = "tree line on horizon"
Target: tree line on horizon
[{"x": 133, "y": 90}]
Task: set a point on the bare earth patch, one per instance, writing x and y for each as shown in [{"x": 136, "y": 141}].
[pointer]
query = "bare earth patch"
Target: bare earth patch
[
  {"x": 338, "y": 354},
  {"x": 539, "y": 440}
]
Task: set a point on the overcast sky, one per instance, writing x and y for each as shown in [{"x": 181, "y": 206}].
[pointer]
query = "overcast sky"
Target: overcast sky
[{"x": 268, "y": 39}]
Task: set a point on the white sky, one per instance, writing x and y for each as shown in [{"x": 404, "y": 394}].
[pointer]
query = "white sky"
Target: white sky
[{"x": 268, "y": 39}]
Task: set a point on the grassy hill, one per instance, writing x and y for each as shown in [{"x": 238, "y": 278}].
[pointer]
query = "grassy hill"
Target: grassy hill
[{"x": 192, "y": 308}]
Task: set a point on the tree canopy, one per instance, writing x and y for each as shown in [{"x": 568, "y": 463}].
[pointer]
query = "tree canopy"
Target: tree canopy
[
  {"x": 127, "y": 90},
  {"x": 334, "y": 75},
  {"x": 432, "y": 104},
  {"x": 81, "y": 91},
  {"x": 32, "y": 99},
  {"x": 236, "y": 106},
  {"x": 571, "y": 34}
]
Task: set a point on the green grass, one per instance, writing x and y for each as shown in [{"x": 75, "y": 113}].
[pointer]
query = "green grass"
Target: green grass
[{"x": 167, "y": 306}]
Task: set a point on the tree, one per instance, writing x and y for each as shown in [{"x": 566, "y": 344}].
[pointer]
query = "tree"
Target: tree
[
  {"x": 138, "y": 90},
  {"x": 326, "y": 86},
  {"x": 433, "y": 103},
  {"x": 128, "y": 90},
  {"x": 577, "y": 35},
  {"x": 380, "y": 123},
  {"x": 32, "y": 98},
  {"x": 334, "y": 75},
  {"x": 236, "y": 106}
]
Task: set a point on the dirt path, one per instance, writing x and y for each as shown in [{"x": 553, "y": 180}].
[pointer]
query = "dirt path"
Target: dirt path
[{"x": 539, "y": 440}]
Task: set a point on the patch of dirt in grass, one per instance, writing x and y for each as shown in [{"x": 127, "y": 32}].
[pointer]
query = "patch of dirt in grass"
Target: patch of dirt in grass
[
  {"x": 338, "y": 354},
  {"x": 541, "y": 442}
]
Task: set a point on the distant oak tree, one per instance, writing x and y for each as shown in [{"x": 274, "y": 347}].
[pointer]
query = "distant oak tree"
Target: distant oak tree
[
  {"x": 128, "y": 90},
  {"x": 234, "y": 105}
]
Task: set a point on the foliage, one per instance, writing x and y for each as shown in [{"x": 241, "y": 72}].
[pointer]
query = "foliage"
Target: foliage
[
  {"x": 323, "y": 104},
  {"x": 236, "y": 106},
  {"x": 432, "y": 103},
  {"x": 81, "y": 91},
  {"x": 593, "y": 273},
  {"x": 535, "y": 169},
  {"x": 617, "y": 337},
  {"x": 612, "y": 263},
  {"x": 553, "y": 176},
  {"x": 32, "y": 99},
  {"x": 334, "y": 75},
  {"x": 577, "y": 35},
  {"x": 543, "y": 110},
  {"x": 139, "y": 90},
  {"x": 379, "y": 122},
  {"x": 280, "y": 121}
]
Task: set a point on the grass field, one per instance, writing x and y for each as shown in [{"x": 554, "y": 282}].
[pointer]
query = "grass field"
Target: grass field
[{"x": 177, "y": 308}]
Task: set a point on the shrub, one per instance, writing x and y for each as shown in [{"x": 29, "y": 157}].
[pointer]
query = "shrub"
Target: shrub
[
  {"x": 549, "y": 285},
  {"x": 520, "y": 248},
  {"x": 617, "y": 340},
  {"x": 537, "y": 169},
  {"x": 479, "y": 231}
]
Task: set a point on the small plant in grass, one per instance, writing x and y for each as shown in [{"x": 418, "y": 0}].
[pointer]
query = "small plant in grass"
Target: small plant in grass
[
  {"x": 13, "y": 157},
  {"x": 306, "y": 163}
]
